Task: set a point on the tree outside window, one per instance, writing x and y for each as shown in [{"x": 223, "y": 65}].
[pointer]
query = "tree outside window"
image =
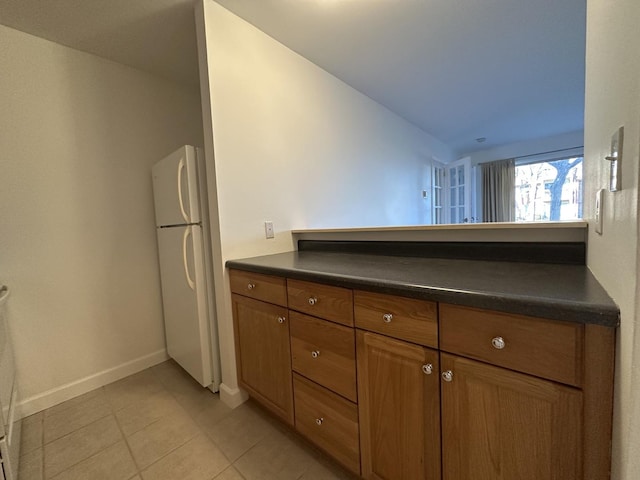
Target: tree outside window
[{"x": 549, "y": 191}]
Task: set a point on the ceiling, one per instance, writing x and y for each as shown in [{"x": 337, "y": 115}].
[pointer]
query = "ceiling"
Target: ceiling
[{"x": 458, "y": 69}]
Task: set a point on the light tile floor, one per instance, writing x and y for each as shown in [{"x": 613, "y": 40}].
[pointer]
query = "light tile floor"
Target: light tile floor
[{"x": 160, "y": 424}]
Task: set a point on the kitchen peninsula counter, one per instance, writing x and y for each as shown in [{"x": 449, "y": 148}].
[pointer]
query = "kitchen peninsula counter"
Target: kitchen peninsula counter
[{"x": 567, "y": 292}]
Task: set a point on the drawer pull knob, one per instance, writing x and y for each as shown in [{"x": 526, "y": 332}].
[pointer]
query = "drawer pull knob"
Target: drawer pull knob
[
  {"x": 387, "y": 317},
  {"x": 427, "y": 369},
  {"x": 447, "y": 376},
  {"x": 319, "y": 421},
  {"x": 315, "y": 353},
  {"x": 313, "y": 301},
  {"x": 251, "y": 286},
  {"x": 498, "y": 343},
  {"x": 281, "y": 319}
]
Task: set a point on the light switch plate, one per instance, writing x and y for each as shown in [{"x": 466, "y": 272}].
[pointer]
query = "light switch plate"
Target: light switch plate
[
  {"x": 615, "y": 172},
  {"x": 599, "y": 196}
]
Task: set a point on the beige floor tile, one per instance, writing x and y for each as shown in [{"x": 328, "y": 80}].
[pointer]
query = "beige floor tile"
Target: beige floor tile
[
  {"x": 195, "y": 399},
  {"x": 30, "y": 466},
  {"x": 79, "y": 445},
  {"x": 320, "y": 470},
  {"x": 31, "y": 436},
  {"x": 132, "y": 389},
  {"x": 168, "y": 371},
  {"x": 140, "y": 414},
  {"x": 75, "y": 401},
  {"x": 242, "y": 429},
  {"x": 113, "y": 463},
  {"x": 161, "y": 437},
  {"x": 74, "y": 416},
  {"x": 198, "y": 459},
  {"x": 230, "y": 474},
  {"x": 208, "y": 417},
  {"x": 275, "y": 457},
  {"x": 192, "y": 396}
]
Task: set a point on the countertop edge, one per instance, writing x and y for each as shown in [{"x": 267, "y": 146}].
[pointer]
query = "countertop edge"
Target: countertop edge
[{"x": 597, "y": 314}]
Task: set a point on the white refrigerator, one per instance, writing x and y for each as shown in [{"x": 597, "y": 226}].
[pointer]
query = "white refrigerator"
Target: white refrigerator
[{"x": 182, "y": 226}]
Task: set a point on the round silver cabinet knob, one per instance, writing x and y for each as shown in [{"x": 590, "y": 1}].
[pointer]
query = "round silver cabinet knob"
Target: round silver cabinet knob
[
  {"x": 315, "y": 353},
  {"x": 251, "y": 286},
  {"x": 447, "y": 376},
  {"x": 313, "y": 300},
  {"x": 281, "y": 319},
  {"x": 319, "y": 421},
  {"x": 498, "y": 343},
  {"x": 427, "y": 368},
  {"x": 387, "y": 317}
]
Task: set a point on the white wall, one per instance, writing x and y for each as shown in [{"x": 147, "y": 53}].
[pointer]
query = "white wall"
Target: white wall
[
  {"x": 78, "y": 135},
  {"x": 612, "y": 100},
  {"x": 297, "y": 146}
]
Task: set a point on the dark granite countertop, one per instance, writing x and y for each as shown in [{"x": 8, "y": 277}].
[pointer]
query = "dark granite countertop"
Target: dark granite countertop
[{"x": 561, "y": 292}]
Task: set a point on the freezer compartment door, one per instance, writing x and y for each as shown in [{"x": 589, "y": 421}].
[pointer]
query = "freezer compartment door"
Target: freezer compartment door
[
  {"x": 184, "y": 298},
  {"x": 175, "y": 188}
]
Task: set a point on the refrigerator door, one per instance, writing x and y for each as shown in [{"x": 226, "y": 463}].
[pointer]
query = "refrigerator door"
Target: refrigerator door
[
  {"x": 175, "y": 188},
  {"x": 184, "y": 298}
]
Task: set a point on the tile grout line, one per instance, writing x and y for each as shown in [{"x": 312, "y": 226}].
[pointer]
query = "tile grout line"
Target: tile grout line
[
  {"x": 75, "y": 430},
  {"x": 200, "y": 429},
  {"x": 46, "y": 477},
  {"x": 155, "y": 421},
  {"x": 84, "y": 459},
  {"x": 124, "y": 437}
]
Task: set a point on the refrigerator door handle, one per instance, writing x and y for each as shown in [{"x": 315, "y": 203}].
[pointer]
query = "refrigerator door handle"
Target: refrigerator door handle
[
  {"x": 182, "y": 210},
  {"x": 191, "y": 283}
]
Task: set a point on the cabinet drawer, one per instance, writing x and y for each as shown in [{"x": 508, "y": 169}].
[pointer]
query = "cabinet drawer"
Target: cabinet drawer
[
  {"x": 261, "y": 287},
  {"x": 324, "y": 352},
  {"x": 332, "y": 303},
  {"x": 328, "y": 420},
  {"x": 405, "y": 318},
  {"x": 545, "y": 348}
]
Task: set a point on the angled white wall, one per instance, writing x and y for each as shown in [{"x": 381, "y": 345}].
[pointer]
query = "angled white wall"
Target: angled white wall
[
  {"x": 613, "y": 100},
  {"x": 77, "y": 239},
  {"x": 295, "y": 145}
]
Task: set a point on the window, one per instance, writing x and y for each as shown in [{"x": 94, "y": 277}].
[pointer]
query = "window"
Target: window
[{"x": 549, "y": 191}]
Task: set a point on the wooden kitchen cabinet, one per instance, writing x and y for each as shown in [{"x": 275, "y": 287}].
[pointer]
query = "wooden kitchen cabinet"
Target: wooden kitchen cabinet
[
  {"x": 264, "y": 354},
  {"x": 502, "y": 425},
  {"x": 399, "y": 409},
  {"x": 431, "y": 391}
]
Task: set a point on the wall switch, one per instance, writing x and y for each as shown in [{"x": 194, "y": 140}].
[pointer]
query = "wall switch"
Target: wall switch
[
  {"x": 268, "y": 230},
  {"x": 615, "y": 169},
  {"x": 599, "y": 214}
]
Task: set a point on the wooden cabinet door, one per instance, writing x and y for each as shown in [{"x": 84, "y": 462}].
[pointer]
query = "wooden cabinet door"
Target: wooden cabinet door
[
  {"x": 501, "y": 425},
  {"x": 399, "y": 409},
  {"x": 263, "y": 353}
]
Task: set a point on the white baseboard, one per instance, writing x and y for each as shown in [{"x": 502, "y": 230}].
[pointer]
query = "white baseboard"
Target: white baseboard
[
  {"x": 42, "y": 401},
  {"x": 232, "y": 397}
]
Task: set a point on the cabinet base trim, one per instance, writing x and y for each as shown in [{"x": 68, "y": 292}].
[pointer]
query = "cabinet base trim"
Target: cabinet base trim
[{"x": 232, "y": 397}]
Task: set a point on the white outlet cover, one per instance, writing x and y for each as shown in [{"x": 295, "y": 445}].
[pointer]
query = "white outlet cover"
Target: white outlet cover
[
  {"x": 268, "y": 229},
  {"x": 599, "y": 212}
]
